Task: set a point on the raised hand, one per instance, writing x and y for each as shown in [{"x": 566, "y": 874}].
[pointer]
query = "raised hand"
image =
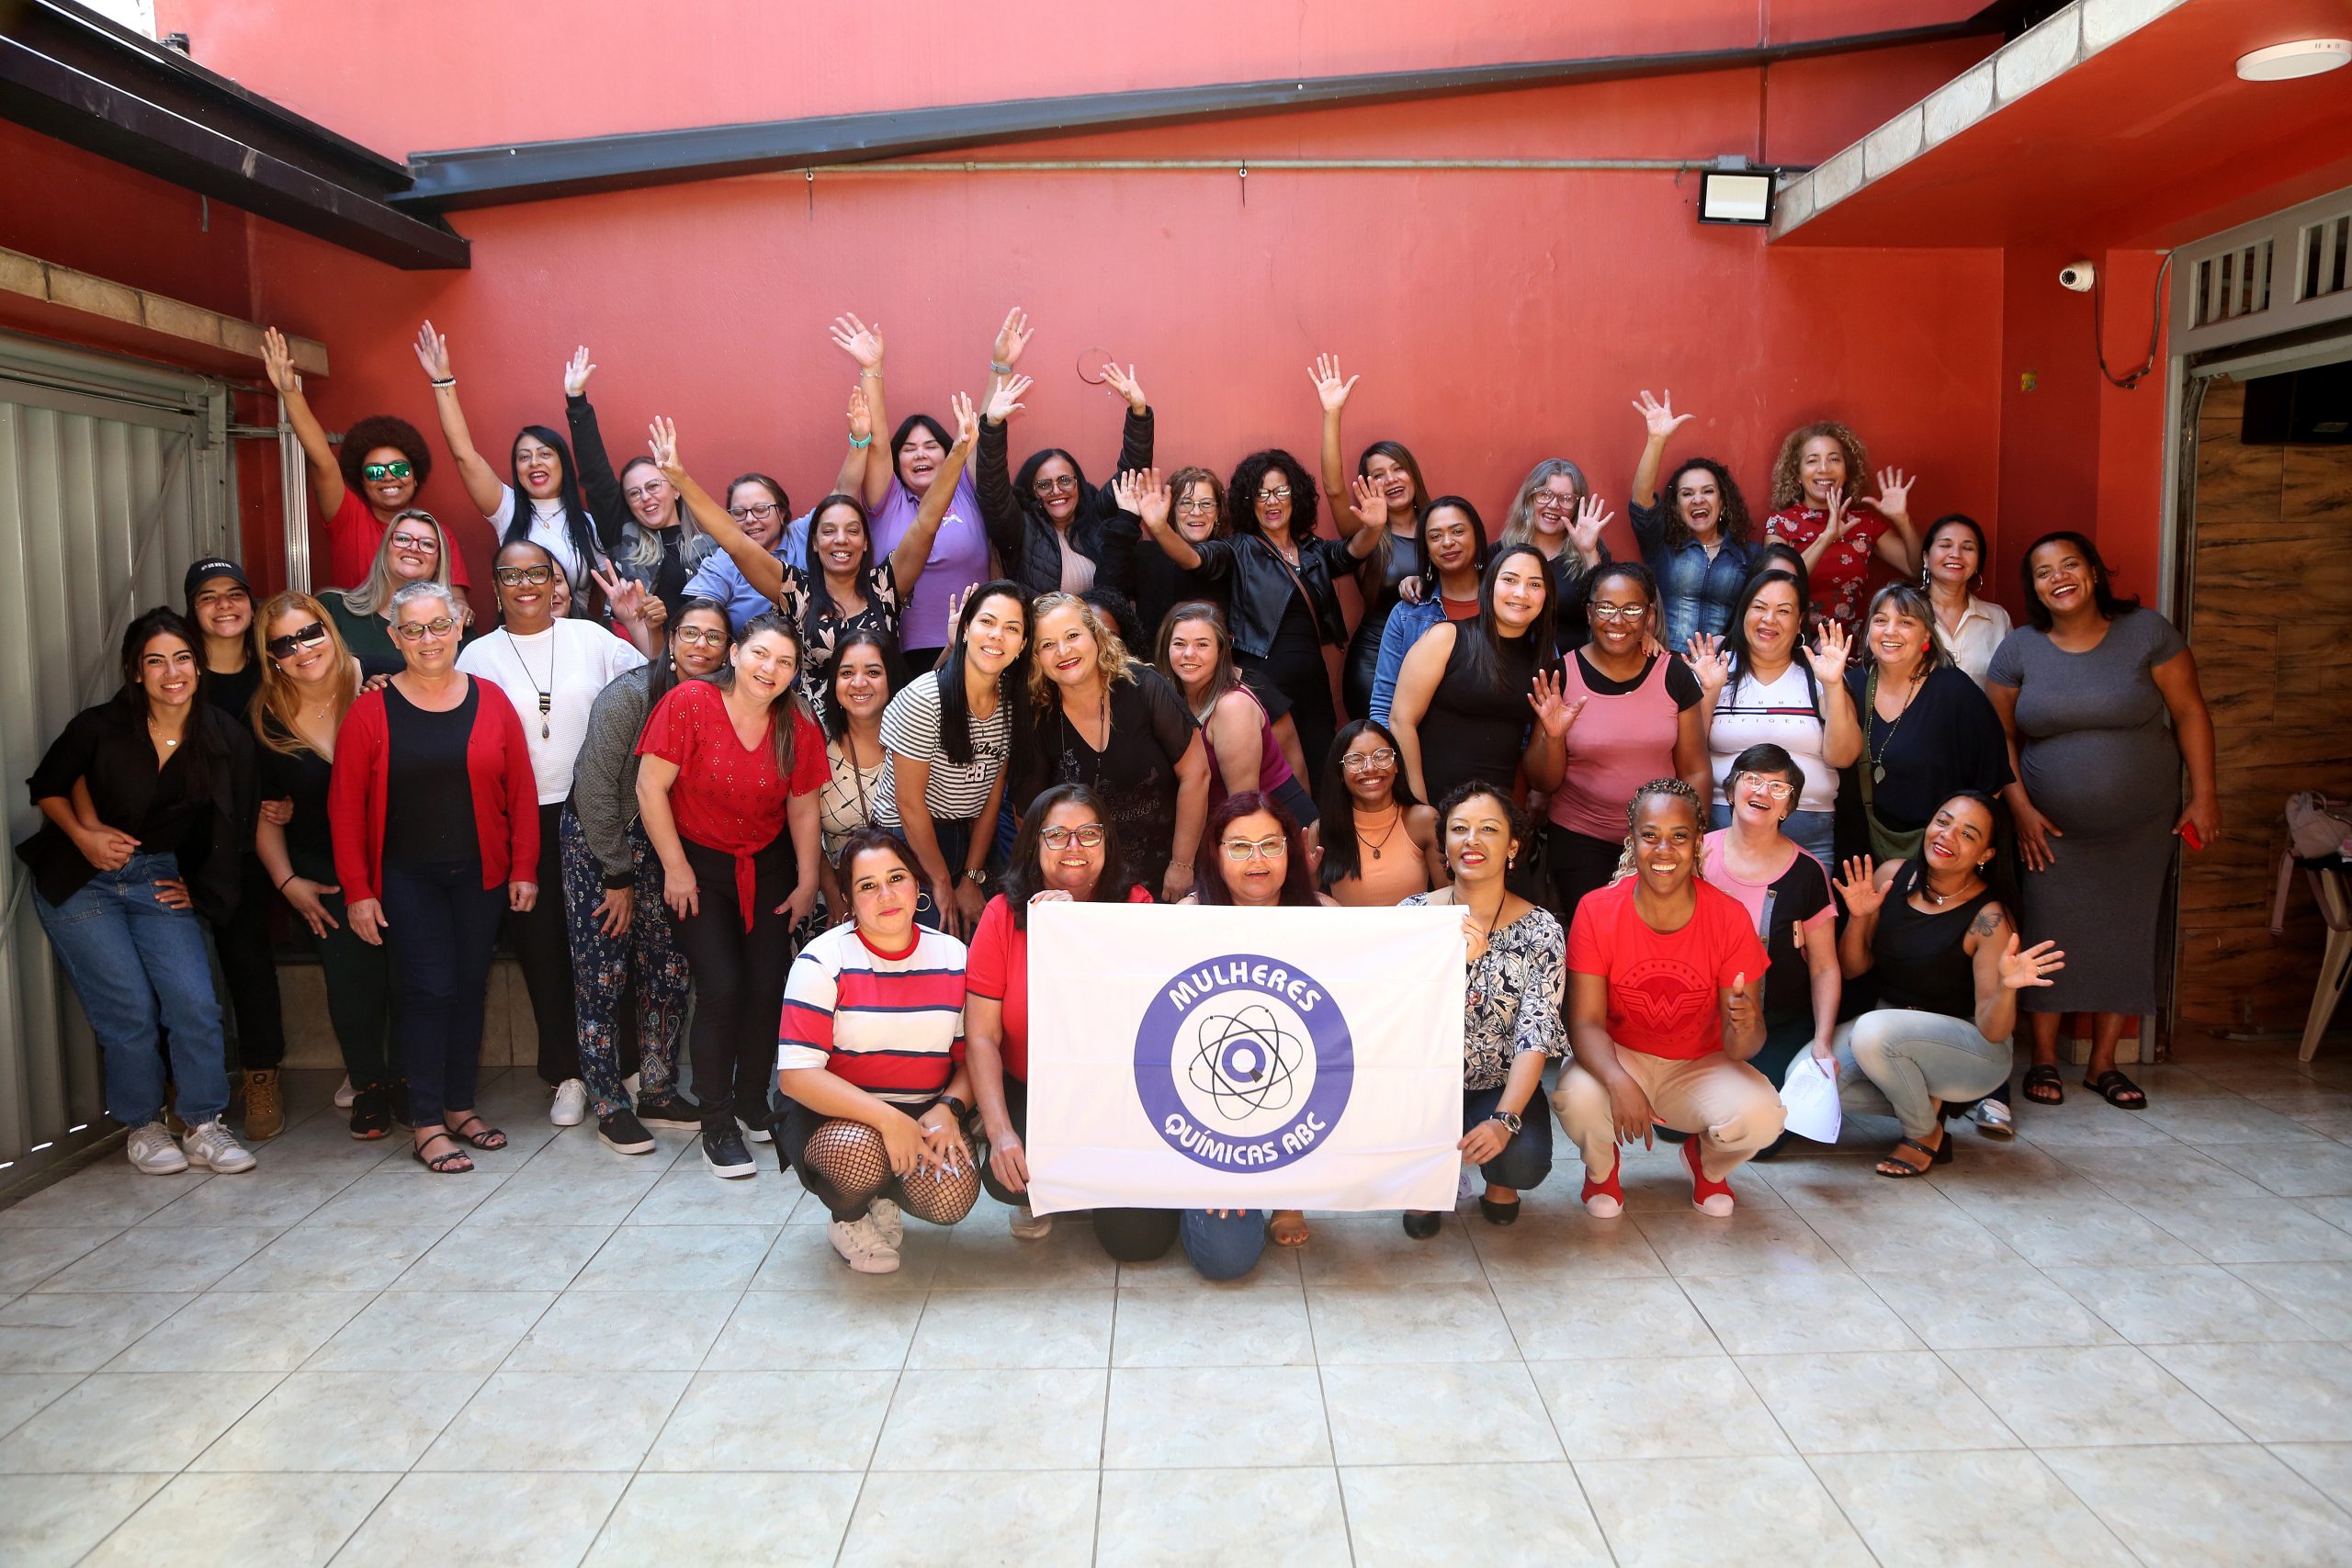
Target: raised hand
[
  {"x": 1659, "y": 416},
  {"x": 1149, "y": 499},
  {"x": 967, "y": 421},
  {"x": 2032, "y": 967},
  {"x": 1709, "y": 662},
  {"x": 1124, "y": 382},
  {"x": 1893, "y": 497},
  {"x": 1740, "y": 1009},
  {"x": 432, "y": 353},
  {"x": 1329, "y": 389},
  {"x": 278, "y": 363},
  {"x": 664, "y": 445},
  {"x": 1592, "y": 515},
  {"x": 1010, "y": 339},
  {"x": 1828, "y": 651},
  {"x": 1005, "y": 401},
  {"x": 1858, "y": 889},
  {"x": 1369, "y": 504},
  {"x": 1549, "y": 698},
  {"x": 576, "y": 371},
  {"x": 861, "y": 415},
  {"x": 1833, "y": 528},
  {"x": 860, "y": 342},
  {"x": 624, "y": 596}
]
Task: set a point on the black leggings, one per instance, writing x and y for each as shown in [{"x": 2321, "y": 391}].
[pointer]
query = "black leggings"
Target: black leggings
[
  {"x": 847, "y": 1165},
  {"x": 739, "y": 978},
  {"x": 542, "y": 945},
  {"x": 1579, "y": 865}
]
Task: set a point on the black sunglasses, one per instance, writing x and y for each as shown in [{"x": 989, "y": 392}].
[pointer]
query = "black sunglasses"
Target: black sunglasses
[{"x": 284, "y": 647}]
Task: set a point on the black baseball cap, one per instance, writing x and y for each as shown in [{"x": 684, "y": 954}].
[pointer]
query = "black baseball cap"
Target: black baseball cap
[{"x": 205, "y": 571}]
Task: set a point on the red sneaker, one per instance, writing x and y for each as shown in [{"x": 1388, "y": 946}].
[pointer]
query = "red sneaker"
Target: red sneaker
[
  {"x": 1605, "y": 1199},
  {"x": 1708, "y": 1197}
]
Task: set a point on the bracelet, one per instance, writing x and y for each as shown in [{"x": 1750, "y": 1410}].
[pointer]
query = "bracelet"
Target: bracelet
[
  {"x": 440, "y": 385},
  {"x": 861, "y": 443},
  {"x": 1000, "y": 370},
  {"x": 289, "y": 876},
  {"x": 863, "y": 373}
]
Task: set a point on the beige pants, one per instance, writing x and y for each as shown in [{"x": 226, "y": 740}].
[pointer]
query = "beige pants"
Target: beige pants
[{"x": 1728, "y": 1106}]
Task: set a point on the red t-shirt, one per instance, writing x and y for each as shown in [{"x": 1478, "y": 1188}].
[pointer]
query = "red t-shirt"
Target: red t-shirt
[
  {"x": 1663, "y": 986},
  {"x": 354, "y": 536},
  {"x": 997, "y": 968},
  {"x": 727, "y": 795}
]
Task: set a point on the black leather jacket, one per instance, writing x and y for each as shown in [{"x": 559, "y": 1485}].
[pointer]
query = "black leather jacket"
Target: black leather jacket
[
  {"x": 1261, "y": 587},
  {"x": 1027, "y": 543}
]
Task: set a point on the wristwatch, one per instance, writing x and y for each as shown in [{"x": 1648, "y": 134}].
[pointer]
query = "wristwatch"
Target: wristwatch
[
  {"x": 1511, "y": 1121},
  {"x": 974, "y": 875},
  {"x": 959, "y": 1109}
]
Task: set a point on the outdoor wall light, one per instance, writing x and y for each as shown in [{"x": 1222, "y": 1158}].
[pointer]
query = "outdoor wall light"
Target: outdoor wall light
[
  {"x": 1733, "y": 193},
  {"x": 2304, "y": 57}
]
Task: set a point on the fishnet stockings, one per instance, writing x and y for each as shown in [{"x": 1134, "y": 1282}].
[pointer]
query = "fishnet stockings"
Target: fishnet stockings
[{"x": 853, "y": 1157}]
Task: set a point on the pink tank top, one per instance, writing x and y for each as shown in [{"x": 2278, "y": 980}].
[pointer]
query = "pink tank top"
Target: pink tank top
[
  {"x": 1619, "y": 744},
  {"x": 1273, "y": 768}
]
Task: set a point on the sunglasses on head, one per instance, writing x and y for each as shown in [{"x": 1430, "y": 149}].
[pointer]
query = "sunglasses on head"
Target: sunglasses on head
[
  {"x": 302, "y": 637},
  {"x": 377, "y": 473}
]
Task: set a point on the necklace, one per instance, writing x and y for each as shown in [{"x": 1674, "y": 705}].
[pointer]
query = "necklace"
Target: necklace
[
  {"x": 1869, "y": 699},
  {"x": 1395, "y": 815},
  {"x": 158, "y": 731},
  {"x": 547, "y": 692}
]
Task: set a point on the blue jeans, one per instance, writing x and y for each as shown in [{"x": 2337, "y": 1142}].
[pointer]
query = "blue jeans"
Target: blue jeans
[
  {"x": 1814, "y": 832},
  {"x": 1526, "y": 1160},
  {"x": 139, "y": 966},
  {"x": 439, "y": 922}
]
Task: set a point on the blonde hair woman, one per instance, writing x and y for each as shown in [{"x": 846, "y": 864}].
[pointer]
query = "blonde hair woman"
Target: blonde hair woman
[{"x": 415, "y": 548}]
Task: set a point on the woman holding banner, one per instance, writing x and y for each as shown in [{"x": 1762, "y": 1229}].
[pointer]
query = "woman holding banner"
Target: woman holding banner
[{"x": 1511, "y": 1021}]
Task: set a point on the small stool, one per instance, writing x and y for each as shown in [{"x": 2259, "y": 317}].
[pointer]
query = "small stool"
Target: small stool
[{"x": 2335, "y": 898}]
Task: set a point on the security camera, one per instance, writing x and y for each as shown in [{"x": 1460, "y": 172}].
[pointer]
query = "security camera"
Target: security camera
[{"x": 2079, "y": 276}]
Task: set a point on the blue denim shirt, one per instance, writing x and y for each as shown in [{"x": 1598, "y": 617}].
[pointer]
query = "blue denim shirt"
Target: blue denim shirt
[
  {"x": 1697, "y": 593},
  {"x": 719, "y": 577},
  {"x": 1406, "y": 624}
]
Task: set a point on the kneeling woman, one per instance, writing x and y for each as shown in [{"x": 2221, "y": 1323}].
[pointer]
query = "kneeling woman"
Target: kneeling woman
[
  {"x": 1945, "y": 954},
  {"x": 870, "y": 1058},
  {"x": 1511, "y": 1020},
  {"x": 1664, "y": 1010}
]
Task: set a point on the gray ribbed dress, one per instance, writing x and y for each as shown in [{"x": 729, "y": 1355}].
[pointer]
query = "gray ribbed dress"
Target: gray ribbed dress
[{"x": 2096, "y": 757}]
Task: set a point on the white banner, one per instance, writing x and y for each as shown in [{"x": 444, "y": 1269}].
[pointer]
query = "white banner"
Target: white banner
[{"x": 1225, "y": 1058}]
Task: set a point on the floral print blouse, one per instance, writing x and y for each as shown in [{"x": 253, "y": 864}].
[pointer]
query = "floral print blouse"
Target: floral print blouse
[{"x": 1513, "y": 1002}]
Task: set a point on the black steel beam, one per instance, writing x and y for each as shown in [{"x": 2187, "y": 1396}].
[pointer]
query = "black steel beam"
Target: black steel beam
[
  {"x": 540, "y": 171},
  {"x": 74, "y": 75}
]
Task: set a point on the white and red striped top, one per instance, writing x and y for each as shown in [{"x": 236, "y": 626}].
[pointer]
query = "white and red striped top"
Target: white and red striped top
[{"x": 890, "y": 1023}]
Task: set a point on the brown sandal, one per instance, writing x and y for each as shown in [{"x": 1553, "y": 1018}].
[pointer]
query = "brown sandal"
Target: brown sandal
[{"x": 1899, "y": 1170}]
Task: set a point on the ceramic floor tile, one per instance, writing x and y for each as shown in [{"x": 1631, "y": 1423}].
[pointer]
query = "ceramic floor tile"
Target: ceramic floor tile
[
  {"x": 761, "y": 1421},
  {"x": 76, "y": 1334},
  {"x": 1681, "y": 1407},
  {"x": 107, "y": 1196},
  {"x": 407, "y": 1195},
  {"x": 2248, "y": 1230},
  {"x": 2068, "y": 1234},
  {"x": 2292, "y": 1169},
  {"x": 1752, "y": 1242},
  {"x": 1565, "y": 1245},
  {"x": 263, "y": 1196},
  {"x": 2098, "y": 1396},
  {"x": 1990, "y": 1309},
  {"x": 561, "y": 1197},
  {"x": 983, "y": 1257},
  {"x": 2223, "y": 1120},
  {"x": 2189, "y": 1301},
  {"x": 1361, "y": 1324},
  {"x": 227, "y": 1331},
  {"x": 1873, "y": 1402},
  {"x": 314, "y": 1256},
  {"x": 1662, "y": 1185},
  {"x": 2327, "y": 1466},
  {"x": 1924, "y": 1510},
  {"x": 1277, "y": 1269},
  {"x": 1155, "y": 1518},
  {"x": 698, "y": 1521},
  {"x": 2319, "y": 1293},
  {"x": 1396, "y": 1512},
  {"x": 1373, "y": 1249},
  {"x": 1669, "y": 1513},
  {"x": 292, "y": 1519},
  {"x": 1033, "y": 1518},
  {"x": 1843, "y": 1181},
  {"x": 1881, "y": 1241},
  {"x": 782, "y": 1330},
  {"x": 692, "y": 1258},
  {"x": 1201, "y": 1324},
  {"x": 455, "y": 1332},
  {"x": 994, "y": 1420},
  {"x": 1160, "y": 1418},
  {"x": 2275, "y": 1393},
  {"x": 132, "y": 1422},
  {"x": 1604, "y": 1320},
  {"x": 1767, "y": 1314},
  {"x": 505, "y": 1258},
  {"x": 633, "y": 1331},
  {"x": 51, "y": 1521},
  {"x": 2206, "y": 1507},
  {"x": 802, "y": 1260},
  {"x": 558, "y": 1421},
  {"x": 690, "y": 1195},
  {"x": 30, "y": 1254},
  {"x": 977, "y": 1330},
  {"x": 342, "y": 1421},
  {"x": 172, "y": 1258},
  {"x": 512, "y": 1520},
  {"x": 1437, "y": 1414},
  {"x": 25, "y": 1395}
]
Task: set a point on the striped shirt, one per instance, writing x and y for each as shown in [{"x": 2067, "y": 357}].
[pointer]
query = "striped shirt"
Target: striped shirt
[
  {"x": 1788, "y": 714},
  {"x": 954, "y": 791},
  {"x": 893, "y": 1026}
]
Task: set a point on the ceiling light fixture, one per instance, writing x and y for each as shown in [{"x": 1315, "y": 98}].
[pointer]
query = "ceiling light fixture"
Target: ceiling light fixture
[{"x": 2304, "y": 57}]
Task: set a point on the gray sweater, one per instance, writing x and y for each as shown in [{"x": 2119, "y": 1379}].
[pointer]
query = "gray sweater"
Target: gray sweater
[{"x": 604, "y": 780}]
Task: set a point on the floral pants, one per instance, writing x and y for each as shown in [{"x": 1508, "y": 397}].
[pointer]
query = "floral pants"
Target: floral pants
[{"x": 604, "y": 967}]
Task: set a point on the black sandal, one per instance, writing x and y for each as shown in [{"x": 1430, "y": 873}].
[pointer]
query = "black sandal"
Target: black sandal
[
  {"x": 1902, "y": 1170},
  {"x": 454, "y": 1163},
  {"x": 2038, "y": 1079},
  {"x": 1499, "y": 1214},
  {"x": 488, "y": 1137},
  {"x": 2118, "y": 1091}
]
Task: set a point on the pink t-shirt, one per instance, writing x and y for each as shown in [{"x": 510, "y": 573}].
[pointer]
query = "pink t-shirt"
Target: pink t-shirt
[{"x": 1619, "y": 743}]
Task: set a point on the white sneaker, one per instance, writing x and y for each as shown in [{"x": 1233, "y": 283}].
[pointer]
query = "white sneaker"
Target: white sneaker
[
  {"x": 213, "y": 1148},
  {"x": 570, "y": 1106},
  {"x": 758, "y": 1132},
  {"x": 345, "y": 1095},
  {"x": 862, "y": 1246},
  {"x": 889, "y": 1224},
  {"x": 1027, "y": 1227},
  {"x": 1994, "y": 1120},
  {"x": 152, "y": 1152}
]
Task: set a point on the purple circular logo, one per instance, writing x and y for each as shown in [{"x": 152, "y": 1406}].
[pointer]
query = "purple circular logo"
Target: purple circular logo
[{"x": 1244, "y": 1063}]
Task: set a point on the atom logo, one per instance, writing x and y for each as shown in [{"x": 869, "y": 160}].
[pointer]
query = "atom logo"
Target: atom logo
[{"x": 1245, "y": 1061}]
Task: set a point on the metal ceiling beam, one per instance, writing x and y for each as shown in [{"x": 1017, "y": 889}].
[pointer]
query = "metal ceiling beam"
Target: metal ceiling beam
[
  {"x": 68, "y": 73},
  {"x": 542, "y": 171}
]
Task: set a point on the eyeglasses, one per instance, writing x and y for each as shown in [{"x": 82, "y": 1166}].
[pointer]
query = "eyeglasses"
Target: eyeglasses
[
  {"x": 1619, "y": 612},
  {"x": 1551, "y": 501},
  {"x": 419, "y": 542},
  {"x": 1088, "y": 836},
  {"x": 1203, "y": 504},
  {"x": 1058, "y": 482},
  {"x": 417, "y": 631},
  {"x": 651, "y": 487},
  {"x": 1365, "y": 761},
  {"x": 759, "y": 514},
  {"x": 1241, "y": 849},
  {"x": 1779, "y": 789},
  {"x": 516, "y": 576},
  {"x": 1282, "y": 494},
  {"x": 284, "y": 647},
  {"x": 377, "y": 473},
  {"x": 696, "y": 636}
]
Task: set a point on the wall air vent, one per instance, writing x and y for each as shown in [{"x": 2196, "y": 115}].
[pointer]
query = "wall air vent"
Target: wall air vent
[
  {"x": 2233, "y": 285},
  {"x": 2327, "y": 257}
]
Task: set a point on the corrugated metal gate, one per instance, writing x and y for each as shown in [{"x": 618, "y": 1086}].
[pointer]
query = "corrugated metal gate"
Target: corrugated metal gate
[{"x": 114, "y": 477}]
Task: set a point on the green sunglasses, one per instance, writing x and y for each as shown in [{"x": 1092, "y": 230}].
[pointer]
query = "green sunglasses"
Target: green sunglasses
[{"x": 377, "y": 473}]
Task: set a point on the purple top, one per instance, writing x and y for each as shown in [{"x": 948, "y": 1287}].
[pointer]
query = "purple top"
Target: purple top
[{"x": 959, "y": 556}]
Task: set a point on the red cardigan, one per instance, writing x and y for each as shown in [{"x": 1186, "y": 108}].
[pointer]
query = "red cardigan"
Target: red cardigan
[{"x": 505, "y": 795}]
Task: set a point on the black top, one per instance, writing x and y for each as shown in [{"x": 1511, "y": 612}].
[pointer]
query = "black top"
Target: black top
[
  {"x": 1571, "y": 593},
  {"x": 1918, "y": 959},
  {"x": 1477, "y": 728},
  {"x": 234, "y": 694},
  {"x": 1133, "y": 775},
  {"x": 429, "y": 791},
  {"x": 200, "y": 807},
  {"x": 1026, "y": 543},
  {"x": 1949, "y": 739},
  {"x": 1681, "y": 684},
  {"x": 1796, "y": 895},
  {"x": 1138, "y": 568},
  {"x": 601, "y": 489},
  {"x": 1404, "y": 561},
  {"x": 302, "y": 776},
  {"x": 1262, "y": 586}
]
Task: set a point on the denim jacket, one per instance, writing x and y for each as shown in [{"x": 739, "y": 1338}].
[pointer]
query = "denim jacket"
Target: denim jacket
[{"x": 1697, "y": 593}]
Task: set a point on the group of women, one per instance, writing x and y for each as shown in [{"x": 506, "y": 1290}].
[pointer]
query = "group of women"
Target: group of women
[{"x": 820, "y": 768}]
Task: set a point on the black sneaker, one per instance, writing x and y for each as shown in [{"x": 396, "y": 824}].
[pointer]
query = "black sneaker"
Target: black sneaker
[
  {"x": 723, "y": 1151},
  {"x": 623, "y": 1133},
  {"x": 668, "y": 1110},
  {"x": 371, "y": 1112}
]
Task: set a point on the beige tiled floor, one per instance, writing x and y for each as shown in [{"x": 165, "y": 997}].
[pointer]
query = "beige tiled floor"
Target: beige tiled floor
[{"x": 2119, "y": 1339}]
